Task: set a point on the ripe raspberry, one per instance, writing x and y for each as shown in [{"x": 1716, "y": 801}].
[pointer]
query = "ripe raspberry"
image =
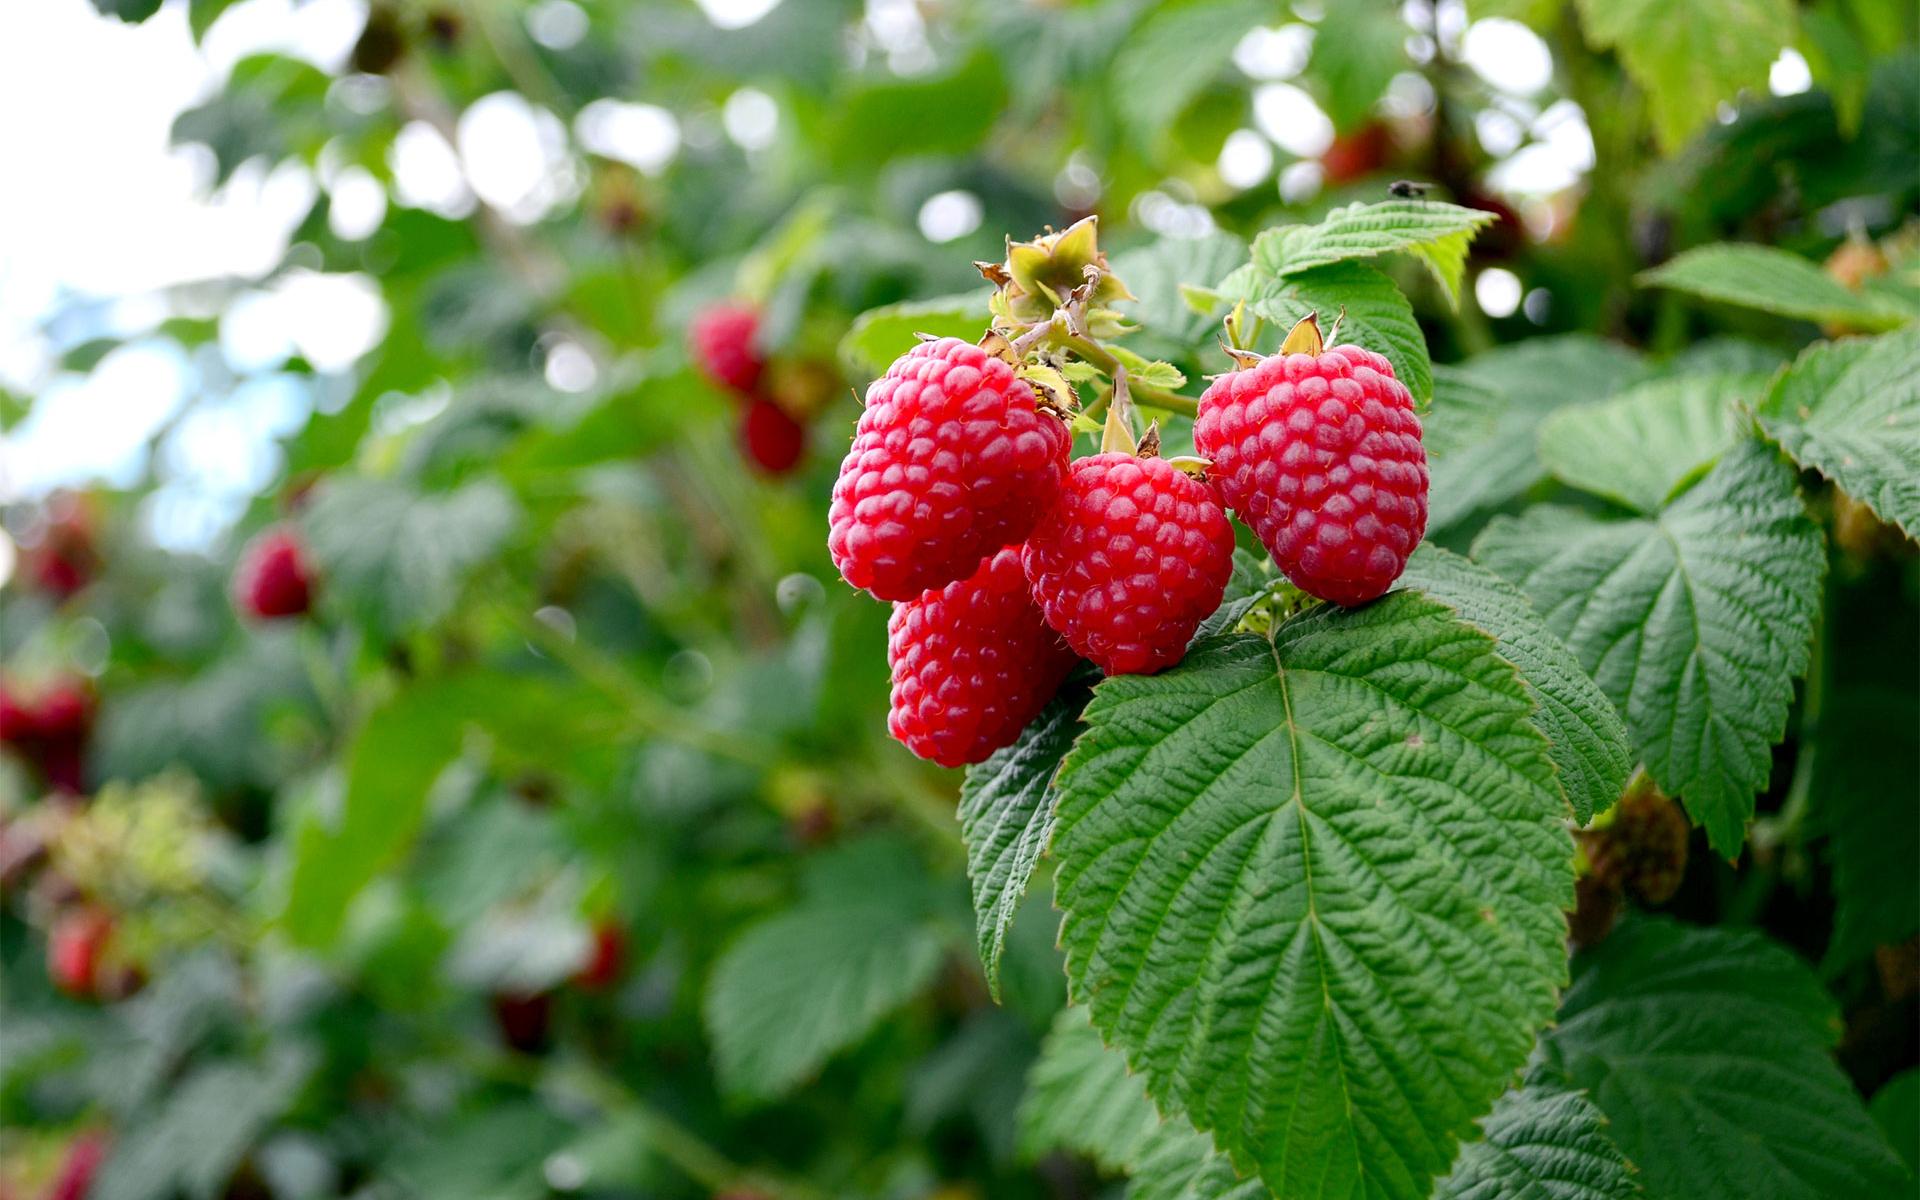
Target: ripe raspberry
[
  {"x": 972, "y": 662},
  {"x": 525, "y": 1020},
  {"x": 606, "y": 958},
  {"x": 721, "y": 337},
  {"x": 952, "y": 460},
  {"x": 772, "y": 441},
  {"x": 1129, "y": 561},
  {"x": 50, "y": 729},
  {"x": 75, "y": 945},
  {"x": 1642, "y": 848},
  {"x": 84, "y": 1156},
  {"x": 63, "y": 558},
  {"x": 1321, "y": 455},
  {"x": 272, "y": 579}
]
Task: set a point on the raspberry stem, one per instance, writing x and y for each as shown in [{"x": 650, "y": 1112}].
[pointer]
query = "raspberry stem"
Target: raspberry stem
[{"x": 1146, "y": 394}]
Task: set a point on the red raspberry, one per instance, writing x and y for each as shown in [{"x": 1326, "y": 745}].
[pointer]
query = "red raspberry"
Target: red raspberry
[
  {"x": 272, "y": 579},
  {"x": 606, "y": 959},
  {"x": 1321, "y": 455},
  {"x": 50, "y": 729},
  {"x": 84, "y": 1155},
  {"x": 771, "y": 440},
  {"x": 952, "y": 460},
  {"x": 64, "y": 558},
  {"x": 972, "y": 662},
  {"x": 1133, "y": 556},
  {"x": 75, "y": 946},
  {"x": 721, "y": 337}
]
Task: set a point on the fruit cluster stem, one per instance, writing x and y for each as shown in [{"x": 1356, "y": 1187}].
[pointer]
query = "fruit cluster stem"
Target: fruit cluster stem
[{"x": 1143, "y": 393}]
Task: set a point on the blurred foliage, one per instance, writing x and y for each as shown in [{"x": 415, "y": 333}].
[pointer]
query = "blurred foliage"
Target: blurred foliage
[{"x": 561, "y": 848}]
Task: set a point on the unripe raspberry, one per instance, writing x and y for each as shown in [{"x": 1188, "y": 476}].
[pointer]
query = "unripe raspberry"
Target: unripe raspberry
[
  {"x": 772, "y": 441},
  {"x": 272, "y": 579},
  {"x": 721, "y": 337},
  {"x": 1320, "y": 453},
  {"x": 972, "y": 663},
  {"x": 1642, "y": 847},
  {"x": 952, "y": 460},
  {"x": 1128, "y": 562}
]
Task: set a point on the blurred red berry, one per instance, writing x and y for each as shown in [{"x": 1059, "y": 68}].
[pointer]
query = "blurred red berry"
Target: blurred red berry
[
  {"x": 722, "y": 342},
  {"x": 63, "y": 558},
  {"x": 272, "y": 579},
  {"x": 1356, "y": 155},
  {"x": 525, "y": 1020},
  {"x": 84, "y": 1155},
  {"x": 50, "y": 729},
  {"x": 607, "y": 958},
  {"x": 75, "y": 946},
  {"x": 772, "y": 441}
]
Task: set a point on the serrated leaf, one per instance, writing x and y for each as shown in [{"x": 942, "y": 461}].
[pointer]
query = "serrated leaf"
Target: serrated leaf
[
  {"x": 1851, "y": 411},
  {"x": 1316, "y": 884},
  {"x": 1690, "y": 58},
  {"x": 881, "y": 335},
  {"x": 1585, "y": 735},
  {"x": 1436, "y": 233},
  {"x": 801, "y": 986},
  {"x": 1480, "y": 433},
  {"x": 1151, "y": 372},
  {"x": 1690, "y": 1040},
  {"x": 1542, "y": 1142},
  {"x": 1772, "y": 281},
  {"x": 1638, "y": 447},
  {"x": 1179, "y": 1164},
  {"x": 1006, "y": 820},
  {"x": 1081, "y": 1097},
  {"x": 1170, "y": 58},
  {"x": 397, "y": 558},
  {"x": 1695, "y": 622},
  {"x": 1377, "y": 316}
]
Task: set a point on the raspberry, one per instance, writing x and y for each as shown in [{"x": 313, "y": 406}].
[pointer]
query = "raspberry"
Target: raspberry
[
  {"x": 75, "y": 946},
  {"x": 50, "y": 729},
  {"x": 606, "y": 960},
  {"x": 63, "y": 558},
  {"x": 951, "y": 461},
  {"x": 722, "y": 341},
  {"x": 771, "y": 440},
  {"x": 1129, "y": 561},
  {"x": 972, "y": 662},
  {"x": 272, "y": 579},
  {"x": 1320, "y": 453},
  {"x": 1642, "y": 847},
  {"x": 84, "y": 1156}
]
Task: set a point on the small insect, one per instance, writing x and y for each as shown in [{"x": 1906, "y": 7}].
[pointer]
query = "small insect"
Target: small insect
[{"x": 1407, "y": 189}]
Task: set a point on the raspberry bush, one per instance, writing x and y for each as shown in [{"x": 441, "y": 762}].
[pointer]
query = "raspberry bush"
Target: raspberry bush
[{"x": 830, "y": 601}]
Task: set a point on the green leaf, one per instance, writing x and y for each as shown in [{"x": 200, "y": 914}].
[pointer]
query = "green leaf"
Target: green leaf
[
  {"x": 1772, "y": 281},
  {"x": 1357, "y": 49},
  {"x": 1896, "y": 1110},
  {"x": 1690, "y": 58},
  {"x": 1158, "y": 273},
  {"x": 399, "y": 751},
  {"x": 881, "y": 335},
  {"x": 1006, "y": 820},
  {"x": 201, "y": 14},
  {"x": 1690, "y": 1040},
  {"x": 1695, "y": 622},
  {"x": 1377, "y": 316},
  {"x": 1639, "y": 447},
  {"x": 1865, "y": 762},
  {"x": 1179, "y": 1164},
  {"x": 131, "y": 11},
  {"x": 1542, "y": 1143},
  {"x": 1316, "y": 884},
  {"x": 1585, "y": 735},
  {"x": 1170, "y": 58},
  {"x": 1851, "y": 411},
  {"x": 1252, "y": 578},
  {"x": 797, "y": 988},
  {"x": 1480, "y": 433},
  {"x": 209, "y": 1120},
  {"x": 1081, "y": 1097},
  {"x": 888, "y": 117},
  {"x": 397, "y": 559},
  {"x": 1437, "y": 234}
]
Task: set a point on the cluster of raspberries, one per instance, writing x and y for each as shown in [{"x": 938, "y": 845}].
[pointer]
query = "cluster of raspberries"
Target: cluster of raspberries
[
  {"x": 1007, "y": 564},
  {"x": 721, "y": 340}
]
